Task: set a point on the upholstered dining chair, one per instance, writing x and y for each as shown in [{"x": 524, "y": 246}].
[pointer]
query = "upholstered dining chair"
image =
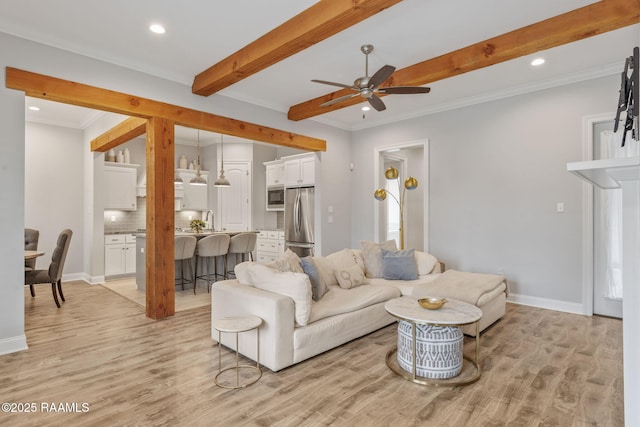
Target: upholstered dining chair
[
  {"x": 31, "y": 237},
  {"x": 53, "y": 274},
  {"x": 241, "y": 244}
]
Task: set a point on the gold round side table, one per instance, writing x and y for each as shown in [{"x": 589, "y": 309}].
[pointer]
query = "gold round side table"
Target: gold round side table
[{"x": 236, "y": 325}]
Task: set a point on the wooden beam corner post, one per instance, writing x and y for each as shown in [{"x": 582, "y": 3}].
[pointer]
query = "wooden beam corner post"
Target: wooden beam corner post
[{"x": 160, "y": 274}]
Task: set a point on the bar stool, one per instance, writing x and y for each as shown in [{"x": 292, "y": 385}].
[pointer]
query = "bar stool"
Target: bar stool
[
  {"x": 184, "y": 249},
  {"x": 208, "y": 249},
  {"x": 241, "y": 244}
]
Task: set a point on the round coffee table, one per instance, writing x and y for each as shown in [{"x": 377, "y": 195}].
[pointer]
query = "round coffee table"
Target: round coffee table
[{"x": 437, "y": 344}]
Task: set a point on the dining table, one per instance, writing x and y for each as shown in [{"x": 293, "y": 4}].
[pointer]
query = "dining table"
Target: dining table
[
  {"x": 32, "y": 254},
  {"x": 29, "y": 255}
]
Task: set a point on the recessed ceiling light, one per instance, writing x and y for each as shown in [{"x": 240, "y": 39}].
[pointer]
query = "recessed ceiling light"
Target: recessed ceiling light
[
  {"x": 157, "y": 28},
  {"x": 366, "y": 108},
  {"x": 537, "y": 61},
  {"x": 34, "y": 108}
]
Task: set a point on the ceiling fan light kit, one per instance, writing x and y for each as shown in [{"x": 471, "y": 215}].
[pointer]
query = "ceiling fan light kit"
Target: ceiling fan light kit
[{"x": 368, "y": 86}]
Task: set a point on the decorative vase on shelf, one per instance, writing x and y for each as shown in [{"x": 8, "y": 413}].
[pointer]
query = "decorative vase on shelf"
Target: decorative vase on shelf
[
  {"x": 182, "y": 164},
  {"x": 127, "y": 155},
  {"x": 120, "y": 158},
  {"x": 191, "y": 166},
  {"x": 111, "y": 156}
]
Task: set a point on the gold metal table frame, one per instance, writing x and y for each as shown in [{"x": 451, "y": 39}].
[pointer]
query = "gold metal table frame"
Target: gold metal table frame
[
  {"x": 460, "y": 380},
  {"x": 228, "y": 325}
]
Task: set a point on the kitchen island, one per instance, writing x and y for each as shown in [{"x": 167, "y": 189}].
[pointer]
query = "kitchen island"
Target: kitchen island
[{"x": 141, "y": 254}]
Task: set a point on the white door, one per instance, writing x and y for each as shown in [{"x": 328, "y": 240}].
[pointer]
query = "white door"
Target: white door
[
  {"x": 607, "y": 232},
  {"x": 234, "y": 202}
]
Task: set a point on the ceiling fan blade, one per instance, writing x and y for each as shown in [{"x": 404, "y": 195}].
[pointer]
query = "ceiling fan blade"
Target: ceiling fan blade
[
  {"x": 404, "y": 90},
  {"x": 342, "y": 98},
  {"x": 381, "y": 76},
  {"x": 324, "y": 82},
  {"x": 377, "y": 103}
]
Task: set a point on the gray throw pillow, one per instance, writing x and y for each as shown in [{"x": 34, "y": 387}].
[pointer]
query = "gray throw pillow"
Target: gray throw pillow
[
  {"x": 399, "y": 265},
  {"x": 318, "y": 287}
]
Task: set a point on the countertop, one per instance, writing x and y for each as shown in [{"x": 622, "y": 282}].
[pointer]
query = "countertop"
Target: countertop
[{"x": 200, "y": 235}]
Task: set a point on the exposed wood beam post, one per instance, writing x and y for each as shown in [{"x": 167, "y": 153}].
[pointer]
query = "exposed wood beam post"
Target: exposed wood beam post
[
  {"x": 320, "y": 21},
  {"x": 160, "y": 274},
  {"x": 68, "y": 92},
  {"x": 123, "y": 132},
  {"x": 591, "y": 20}
]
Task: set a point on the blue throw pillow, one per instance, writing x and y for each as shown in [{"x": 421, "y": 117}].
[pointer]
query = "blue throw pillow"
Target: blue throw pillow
[
  {"x": 318, "y": 287},
  {"x": 399, "y": 265}
]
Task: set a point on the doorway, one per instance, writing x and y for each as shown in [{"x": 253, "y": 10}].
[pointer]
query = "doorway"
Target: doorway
[
  {"x": 602, "y": 251},
  {"x": 234, "y": 203},
  {"x": 410, "y": 159}
]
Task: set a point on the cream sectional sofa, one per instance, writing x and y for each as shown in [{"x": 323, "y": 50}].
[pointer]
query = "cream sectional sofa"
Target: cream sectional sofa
[{"x": 296, "y": 327}]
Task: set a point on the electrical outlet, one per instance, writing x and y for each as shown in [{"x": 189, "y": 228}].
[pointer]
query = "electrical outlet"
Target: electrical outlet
[
  {"x": 113, "y": 218},
  {"x": 501, "y": 271}
]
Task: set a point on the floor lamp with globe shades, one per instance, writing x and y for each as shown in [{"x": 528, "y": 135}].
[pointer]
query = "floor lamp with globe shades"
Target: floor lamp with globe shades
[{"x": 381, "y": 194}]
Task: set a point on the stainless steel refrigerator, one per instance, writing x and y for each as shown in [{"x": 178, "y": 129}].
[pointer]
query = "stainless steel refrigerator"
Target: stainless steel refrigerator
[{"x": 299, "y": 220}]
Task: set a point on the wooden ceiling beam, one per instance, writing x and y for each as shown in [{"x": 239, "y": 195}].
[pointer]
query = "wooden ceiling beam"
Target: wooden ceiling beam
[
  {"x": 320, "y": 21},
  {"x": 124, "y": 131},
  {"x": 68, "y": 92},
  {"x": 588, "y": 21}
]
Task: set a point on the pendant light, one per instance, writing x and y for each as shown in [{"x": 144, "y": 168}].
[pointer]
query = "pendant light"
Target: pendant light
[
  {"x": 198, "y": 179},
  {"x": 222, "y": 181}
]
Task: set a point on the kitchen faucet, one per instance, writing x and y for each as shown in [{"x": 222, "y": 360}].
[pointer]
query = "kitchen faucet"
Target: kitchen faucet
[{"x": 206, "y": 218}]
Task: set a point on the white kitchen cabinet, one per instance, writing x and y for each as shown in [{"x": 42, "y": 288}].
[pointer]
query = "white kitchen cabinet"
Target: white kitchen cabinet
[
  {"x": 195, "y": 197},
  {"x": 120, "y": 187},
  {"x": 269, "y": 246},
  {"x": 275, "y": 173},
  {"x": 300, "y": 171},
  {"x": 119, "y": 254}
]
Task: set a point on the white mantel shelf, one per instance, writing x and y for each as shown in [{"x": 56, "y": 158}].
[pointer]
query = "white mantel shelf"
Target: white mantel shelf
[{"x": 607, "y": 173}]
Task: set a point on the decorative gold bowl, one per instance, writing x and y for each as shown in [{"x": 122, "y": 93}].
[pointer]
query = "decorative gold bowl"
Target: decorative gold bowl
[{"x": 432, "y": 303}]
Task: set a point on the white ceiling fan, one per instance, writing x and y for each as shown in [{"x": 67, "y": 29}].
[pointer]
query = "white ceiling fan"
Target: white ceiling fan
[{"x": 367, "y": 87}]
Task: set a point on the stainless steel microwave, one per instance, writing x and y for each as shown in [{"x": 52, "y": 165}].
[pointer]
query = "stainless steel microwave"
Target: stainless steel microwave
[{"x": 275, "y": 198}]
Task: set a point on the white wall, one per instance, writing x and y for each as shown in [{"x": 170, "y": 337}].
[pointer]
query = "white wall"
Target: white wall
[
  {"x": 54, "y": 196},
  {"x": 497, "y": 171}
]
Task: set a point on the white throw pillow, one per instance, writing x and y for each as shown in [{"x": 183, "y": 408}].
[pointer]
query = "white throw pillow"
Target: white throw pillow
[
  {"x": 350, "y": 277},
  {"x": 373, "y": 257},
  {"x": 294, "y": 285},
  {"x": 242, "y": 272},
  {"x": 425, "y": 262}
]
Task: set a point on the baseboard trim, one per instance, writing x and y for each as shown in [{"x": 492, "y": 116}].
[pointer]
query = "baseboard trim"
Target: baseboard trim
[
  {"x": 13, "y": 344},
  {"x": 92, "y": 280},
  {"x": 549, "y": 304}
]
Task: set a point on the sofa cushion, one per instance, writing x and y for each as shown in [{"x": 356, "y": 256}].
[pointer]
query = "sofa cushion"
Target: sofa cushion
[
  {"x": 406, "y": 287},
  {"x": 338, "y": 300},
  {"x": 399, "y": 265},
  {"x": 294, "y": 285},
  {"x": 318, "y": 286},
  {"x": 350, "y": 277},
  {"x": 425, "y": 262},
  {"x": 373, "y": 257}
]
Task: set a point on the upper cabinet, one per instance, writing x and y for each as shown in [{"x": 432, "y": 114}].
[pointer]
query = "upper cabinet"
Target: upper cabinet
[
  {"x": 300, "y": 170},
  {"x": 275, "y": 173},
  {"x": 195, "y": 197},
  {"x": 120, "y": 187}
]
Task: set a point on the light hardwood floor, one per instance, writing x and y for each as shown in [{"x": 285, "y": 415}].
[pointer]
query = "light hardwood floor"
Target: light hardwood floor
[{"x": 540, "y": 368}]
